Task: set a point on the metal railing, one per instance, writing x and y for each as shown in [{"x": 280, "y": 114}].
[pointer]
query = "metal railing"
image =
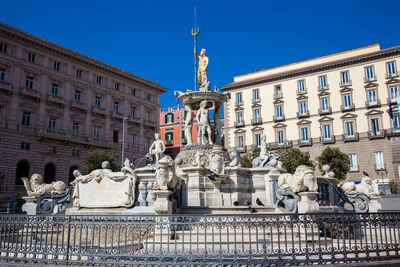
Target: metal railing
[{"x": 264, "y": 239}]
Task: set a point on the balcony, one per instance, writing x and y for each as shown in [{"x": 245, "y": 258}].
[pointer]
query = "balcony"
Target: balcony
[
  {"x": 277, "y": 145},
  {"x": 350, "y": 138},
  {"x": 239, "y": 124},
  {"x": 78, "y": 105},
  {"x": 374, "y": 104},
  {"x": 134, "y": 119},
  {"x": 256, "y": 121},
  {"x": 169, "y": 143},
  {"x": 255, "y": 101},
  {"x": 149, "y": 123},
  {"x": 321, "y": 88},
  {"x": 241, "y": 149},
  {"x": 370, "y": 79},
  {"x": 55, "y": 99},
  {"x": 325, "y": 111},
  {"x": 280, "y": 118},
  {"x": 99, "y": 110},
  {"x": 116, "y": 115},
  {"x": 376, "y": 135},
  {"x": 331, "y": 140},
  {"x": 391, "y": 100},
  {"x": 302, "y": 142},
  {"x": 238, "y": 104},
  {"x": 381, "y": 167},
  {"x": 345, "y": 84},
  {"x": 302, "y": 92},
  {"x": 278, "y": 96},
  {"x": 347, "y": 108},
  {"x": 30, "y": 92},
  {"x": 301, "y": 115},
  {"x": 5, "y": 86},
  {"x": 392, "y": 75}
]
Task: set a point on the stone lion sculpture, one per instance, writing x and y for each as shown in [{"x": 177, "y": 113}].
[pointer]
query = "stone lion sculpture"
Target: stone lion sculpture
[
  {"x": 303, "y": 179},
  {"x": 236, "y": 159},
  {"x": 367, "y": 187},
  {"x": 165, "y": 174},
  {"x": 35, "y": 186}
]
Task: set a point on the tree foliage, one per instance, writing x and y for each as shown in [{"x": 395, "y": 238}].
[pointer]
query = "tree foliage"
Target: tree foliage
[
  {"x": 94, "y": 159},
  {"x": 337, "y": 160},
  {"x": 247, "y": 159},
  {"x": 292, "y": 157}
]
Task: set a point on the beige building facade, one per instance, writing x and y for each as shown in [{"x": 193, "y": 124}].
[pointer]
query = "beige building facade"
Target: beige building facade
[
  {"x": 341, "y": 100},
  {"x": 56, "y": 105}
]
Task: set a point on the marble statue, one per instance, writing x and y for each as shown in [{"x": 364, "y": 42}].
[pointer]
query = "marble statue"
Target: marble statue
[
  {"x": 202, "y": 71},
  {"x": 264, "y": 155},
  {"x": 367, "y": 187},
  {"x": 302, "y": 180},
  {"x": 236, "y": 159},
  {"x": 189, "y": 124},
  {"x": 203, "y": 124},
  {"x": 217, "y": 161},
  {"x": 157, "y": 148},
  {"x": 35, "y": 186},
  {"x": 166, "y": 178}
]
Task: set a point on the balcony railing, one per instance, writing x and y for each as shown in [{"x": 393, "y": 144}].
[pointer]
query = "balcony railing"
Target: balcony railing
[
  {"x": 116, "y": 115},
  {"x": 280, "y": 118},
  {"x": 254, "y": 101},
  {"x": 99, "y": 110},
  {"x": 78, "y": 105},
  {"x": 278, "y": 96},
  {"x": 169, "y": 142},
  {"x": 256, "y": 121},
  {"x": 30, "y": 92},
  {"x": 55, "y": 99},
  {"x": 303, "y": 114},
  {"x": 381, "y": 167},
  {"x": 392, "y": 75},
  {"x": 278, "y": 145},
  {"x": 373, "y": 104},
  {"x": 331, "y": 140},
  {"x": 345, "y": 84},
  {"x": 347, "y": 108},
  {"x": 239, "y": 124},
  {"x": 238, "y": 104},
  {"x": 325, "y": 111},
  {"x": 301, "y": 92},
  {"x": 370, "y": 79},
  {"x": 350, "y": 138},
  {"x": 376, "y": 135},
  {"x": 323, "y": 88},
  {"x": 241, "y": 149},
  {"x": 307, "y": 142},
  {"x": 148, "y": 123},
  {"x": 5, "y": 86},
  {"x": 391, "y": 100}
]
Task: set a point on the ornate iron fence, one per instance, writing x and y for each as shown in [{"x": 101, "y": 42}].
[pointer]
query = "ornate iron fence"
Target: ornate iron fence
[{"x": 276, "y": 239}]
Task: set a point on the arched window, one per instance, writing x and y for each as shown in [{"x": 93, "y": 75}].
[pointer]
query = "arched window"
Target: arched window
[
  {"x": 71, "y": 175},
  {"x": 49, "y": 173},
  {"x": 22, "y": 171}
]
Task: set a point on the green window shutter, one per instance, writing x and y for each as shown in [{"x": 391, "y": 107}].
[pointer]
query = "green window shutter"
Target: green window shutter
[
  {"x": 172, "y": 115},
  {"x": 166, "y": 118}
]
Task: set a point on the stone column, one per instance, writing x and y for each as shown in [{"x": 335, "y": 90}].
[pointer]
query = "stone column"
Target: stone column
[
  {"x": 307, "y": 203},
  {"x": 162, "y": 204},
  {"x": 30, "y": 206},
  {"x": 142, "y": 193},
  {"x": 151, "y": 197}
]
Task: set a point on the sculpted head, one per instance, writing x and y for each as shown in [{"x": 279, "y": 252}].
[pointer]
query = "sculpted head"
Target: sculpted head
[
  {"x": 203, "y": 52},
  {"x": 157, "y": 136},
  {"x": 203, "y": 104},
  {"x": 76, "y": 173},
  {"x": 37, "y": 178},
  {"x": 264, "y": 137},
  {"x": 308, "y": 176}
]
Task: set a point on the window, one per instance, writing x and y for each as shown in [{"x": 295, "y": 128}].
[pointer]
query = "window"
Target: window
[
  {"x": 148, "y": 97},
  {"x": 169, "y": 137},
  {"x": 116, "y": 86},
  {"x": 239, "y": 117},
  {"x": 1, "y": 112},
  {"x": 280, "y": 137},
  {"x": 29, "y": 82},
  {"x": 133, "y": 112},
  {"x": 26, "y": 118},
  {"x": 379, "y": 160},
  {"x": 76, "y": 128},
  {"x": 76, "y": 153},
  {"x": 258, "y": 140},
  {"x": 278, "y": 111},
  {"x": 344, "y": 78},
  {"x": 133, "y": 140},
  {"x": 326, "y": 131},
  {"x": 99, "y": 80},
  {"x": 256, "y": 113},
  {"x": 396, "y": 122},
  {"x": 300, "y": 86},
  {"x": 375, "y": 126},
  {"x": 97, "y": 132},
  {"x": 372, "y": 96},
  {"x": 148, "y": 115},
  {"x": 169, "y": 118},
  {"x": 3, "y": 48},
  {"x": 322, "y": 82},
  {"x": 133, "y": 92},
  {"x": 391, "y": 68},
  {"x": 239, "y": 99},
  {"x": 77, "y": 95},
  {"x": 52, "y": 150},
  {"x": 304, "y": 134},
  {"x": 353, "y": 162},
  {"x": 54, "y": 89},
  {"x": 240, "y": 142},
  {"x": 347, "y": 100},
  {"x": 52, "y": 125},
  {"x": 369, "y": 73},
  {"x": 394, "y": 92},
  {"x": 278, "y": 91},
  {"x": 2, "y": 74},
  {"x": 79, "y": 74},
  {"x": 115, "y": 136},
  {"x": 324, "y": 104},
  {"x": 256, "y": 95},
  {"x": 56, "y": 66},
  {"x": 31, "y": 57},
  {"x": 116, "y": 106},
  {"x": 25, "y": 146},
  {"x": 97, "y": 101},
  {"x": 303, "y": 107},
  {"x": 349, "y": 129}
]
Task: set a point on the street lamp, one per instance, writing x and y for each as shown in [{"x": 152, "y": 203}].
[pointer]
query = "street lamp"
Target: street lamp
[{"x": 123, "y": 140}]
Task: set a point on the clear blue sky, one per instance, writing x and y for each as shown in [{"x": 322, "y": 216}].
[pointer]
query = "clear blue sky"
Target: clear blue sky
[{"x": 152, "y": 38}]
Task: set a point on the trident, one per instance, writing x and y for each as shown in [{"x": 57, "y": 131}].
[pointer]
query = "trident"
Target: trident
[{"x": 195, "y": 32}]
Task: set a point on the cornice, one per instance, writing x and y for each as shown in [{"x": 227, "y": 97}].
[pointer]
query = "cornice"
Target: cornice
[
  {"x": 317, "y": 68},
  {"x": 32, "y": 40}
]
